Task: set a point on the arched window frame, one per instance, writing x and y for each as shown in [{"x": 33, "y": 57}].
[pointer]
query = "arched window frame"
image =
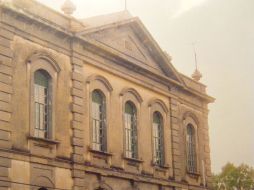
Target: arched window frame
[
  {"x": 101, "y": 84},
  {"x": 157, "y": 105},
  {"x": 131, "y": 95},
  {"x": 191, "y": 120},
  {"x": 41, "y": 61}
]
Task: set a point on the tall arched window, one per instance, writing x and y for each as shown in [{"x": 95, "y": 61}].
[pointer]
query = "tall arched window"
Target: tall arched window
[
  {"x": 158, "y": 147},
  {"x": 191, "y": 149},
  {"x": 130, "y": 121},
  {"x": 42, "y": 101},
  {"x": 99, "y": 137}
]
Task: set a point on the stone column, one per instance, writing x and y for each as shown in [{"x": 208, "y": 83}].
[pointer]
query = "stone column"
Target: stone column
[
  {"x": 6, "y": 91},
  {"x": 77, "y": 108}
]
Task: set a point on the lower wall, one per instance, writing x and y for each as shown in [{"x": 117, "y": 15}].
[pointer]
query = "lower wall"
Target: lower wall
[{"x": 29, "y": 173}]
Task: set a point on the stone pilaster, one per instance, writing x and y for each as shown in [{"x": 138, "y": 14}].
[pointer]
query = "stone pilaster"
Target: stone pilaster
[
  {"x": 207, "y": 159},
  {"x": 77, "y": 108},
  {"x": 176, "y": 153},
  {"x": 6, "y": 91}
]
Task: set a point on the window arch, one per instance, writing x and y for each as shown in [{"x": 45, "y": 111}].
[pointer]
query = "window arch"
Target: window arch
[
  {"x": 99, "y": 132},
  {"x": 191, "y": 149},
  {"x": 42, "y": 104},
  {"x": 158, "y": 145},
  {"x": 130, "y": 123}
]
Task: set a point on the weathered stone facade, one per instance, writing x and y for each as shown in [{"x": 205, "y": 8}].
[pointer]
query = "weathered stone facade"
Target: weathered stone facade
[{"x": 125, "y": 63}]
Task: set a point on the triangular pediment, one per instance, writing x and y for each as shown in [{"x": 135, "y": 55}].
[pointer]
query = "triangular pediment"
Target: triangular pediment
[{"x": 135, "y": 46}]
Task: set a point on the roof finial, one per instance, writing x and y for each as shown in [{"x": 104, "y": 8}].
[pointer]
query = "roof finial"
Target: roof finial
[
  {"x": 196, "y": 75},
  {"x": 68, "y": 7}
]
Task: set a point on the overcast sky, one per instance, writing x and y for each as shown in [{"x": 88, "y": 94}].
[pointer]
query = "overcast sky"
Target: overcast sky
[{"x": 224, "y": 33}]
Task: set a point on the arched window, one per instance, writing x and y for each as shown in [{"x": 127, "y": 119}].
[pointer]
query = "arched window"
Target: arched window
[
  {"x": 43, "y": 188},
  {"x": 130, "y": 123},
  {"x": 158, "y": 147},
  {"x": 191, "y": 149},
  {"x": 42, "y": 103},
  {"x": 99, "y": 137}
]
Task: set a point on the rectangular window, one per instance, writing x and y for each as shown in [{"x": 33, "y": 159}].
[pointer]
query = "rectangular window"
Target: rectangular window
[
  {"x": 41, "y": 111},
  {"x": 158, "y": 145},
  {"x": 98, "y": 122},
  {"x": 130, "y": 136}
]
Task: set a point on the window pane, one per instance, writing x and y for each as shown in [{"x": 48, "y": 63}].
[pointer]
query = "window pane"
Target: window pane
[
  {"x": 99, "y": 121},
  {"x": 191, "y": 149},
  {"x": 41, "y": 98},
  {"x": 158, "y": 139},
  {"x": 130, "y": 130}
]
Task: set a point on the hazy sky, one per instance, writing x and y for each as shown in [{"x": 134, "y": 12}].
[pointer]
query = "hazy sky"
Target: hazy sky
[{"x": 224, "y": 32}]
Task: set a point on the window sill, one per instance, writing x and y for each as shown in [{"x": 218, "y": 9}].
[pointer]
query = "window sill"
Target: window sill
[
  {"x": 160, "y": 167},
  {"x": 136, "y": 160},
  {"x": 48, "y": 141},
  {"x": 100, "y": 152},
  {"x": 193, "y": 174}
]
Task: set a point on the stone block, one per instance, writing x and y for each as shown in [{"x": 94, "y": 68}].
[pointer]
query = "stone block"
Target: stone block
[
  {"x": 5, "y": 42},
  {"x": 79, "y": 182},
  {"x": 6, "y": 60},
  {"x": 78, "y": 158},
  {"x": 176, "y": 139},
  {"x": 78, "y": 150},
  {"x": 78, "y": 101},
  {"x": 78, "y": 133},
  {"x": 78, "y": 173},
  {"x": 5, "y": 125},
  {"x": 77, "y": 76},
  {"x": 6, "y": 34},
  {"x": 4, "y": 172},
  {"x": 77, "y": 85},
  {"x": 77, "y": 92},
  {"x": 77, "y": 68},
  {"x": 6, "y": 51},
  {"x": 77, "y": 109},
  {"x": 5, "y": 88},
  {"x": 77, "y": 117},
  {"x": 175, "y": 127},
  {"x": 4, "y": 135},
  {"x": 77, "y": 142},
  {"x": 4, "y": 106},
  {"x": 5, "y": 116},
  {"x": 76, "y": 125},
  {"x": 177, "y": 165},
  {"x": 77, "y": 61},
  {"x": 6, "y": 69},
  {"x": 5, "y": 78},
  {"x": 5, "y": 162},
  {"x": 173, "y": 101}
]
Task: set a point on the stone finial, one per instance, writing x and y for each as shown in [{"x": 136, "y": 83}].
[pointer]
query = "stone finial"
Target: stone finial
[
  {"x": 68, "y": 7},
  {"x": 196, "y": 75}
]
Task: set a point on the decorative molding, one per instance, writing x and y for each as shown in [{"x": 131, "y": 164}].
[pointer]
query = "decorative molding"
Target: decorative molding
[
  {"x": 132, "y": 91},
  {"x": 191, "y": 115},
  {"x": 101, "y": 79},
  {"x": 37, "y": 55},
  {"x": 160, "y": 102}
]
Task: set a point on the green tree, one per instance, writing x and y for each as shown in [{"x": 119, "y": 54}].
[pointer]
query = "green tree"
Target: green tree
[{"x": 234, "y": 178}]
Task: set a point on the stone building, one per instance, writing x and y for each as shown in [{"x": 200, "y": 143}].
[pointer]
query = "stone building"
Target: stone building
[{"x": 95, "y": 104}]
